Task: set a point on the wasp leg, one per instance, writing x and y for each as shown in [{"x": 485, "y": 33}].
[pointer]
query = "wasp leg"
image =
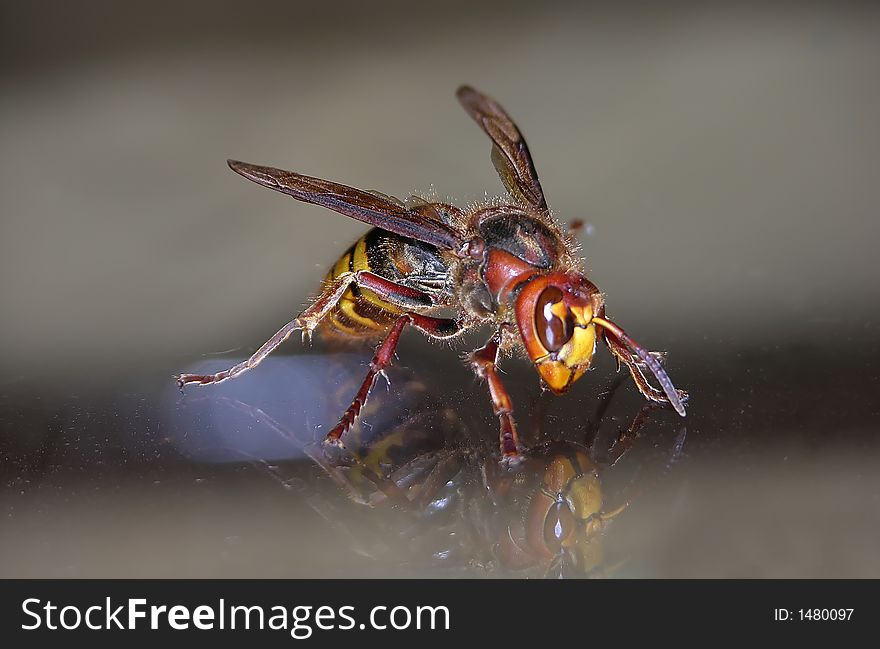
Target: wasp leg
[
  {"x": 627, "y": 438},
  {"x": 402, "y": 296},
  {"x": 305, "y": 321},
  {"x": 623, "y": 355},
  {"x": 434, "y": 327},
  {"x": 397, "y": 294},
  {"x": 483, "y": 361}
]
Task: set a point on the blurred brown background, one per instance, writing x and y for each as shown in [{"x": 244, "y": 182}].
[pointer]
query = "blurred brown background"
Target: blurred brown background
[{"x": 727, "y": 157}]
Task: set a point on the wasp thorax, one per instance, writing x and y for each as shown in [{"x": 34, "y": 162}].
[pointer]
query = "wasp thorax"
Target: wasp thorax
[{"x": 553, "y": 320}]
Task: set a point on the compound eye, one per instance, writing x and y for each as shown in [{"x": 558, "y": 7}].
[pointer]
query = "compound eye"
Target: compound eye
[
  {"x": 553, "y": 320},
  {"x": 558, "y": 526}
]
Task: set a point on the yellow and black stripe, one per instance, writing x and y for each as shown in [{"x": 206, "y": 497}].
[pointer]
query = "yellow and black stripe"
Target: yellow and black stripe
[{"x": 360, "y": 313}]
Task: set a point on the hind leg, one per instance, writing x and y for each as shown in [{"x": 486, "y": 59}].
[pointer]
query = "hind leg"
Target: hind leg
[{"x": 305, "y": 322}]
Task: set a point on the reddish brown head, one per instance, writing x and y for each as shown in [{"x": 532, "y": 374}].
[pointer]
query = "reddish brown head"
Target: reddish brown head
[{"x": 554, "y": 314}]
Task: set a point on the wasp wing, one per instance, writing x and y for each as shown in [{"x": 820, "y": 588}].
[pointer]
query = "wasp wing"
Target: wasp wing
[
  {"x": 510, "y": 154},
  {"x": 371, "y": 208}
]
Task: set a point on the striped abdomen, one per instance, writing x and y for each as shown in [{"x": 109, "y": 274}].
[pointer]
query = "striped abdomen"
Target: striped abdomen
[{"x": 363, "y": 314}]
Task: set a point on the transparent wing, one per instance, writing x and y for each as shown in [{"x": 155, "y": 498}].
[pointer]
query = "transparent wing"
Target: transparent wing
[
  {"x": 510, "y": 154},
  {"x": 372, "y": 208}
]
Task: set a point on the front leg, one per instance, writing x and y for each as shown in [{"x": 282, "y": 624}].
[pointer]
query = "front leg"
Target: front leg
[
  {"x": 623, "y": 355},
  {"x": 634, "y": 356},
  {"x": 483, "y": 361}
]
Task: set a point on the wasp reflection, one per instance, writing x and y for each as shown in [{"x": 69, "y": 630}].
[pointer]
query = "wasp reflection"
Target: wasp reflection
[
  {"x": 455, "y": 506},
  {"x": 419, "y": 485}
]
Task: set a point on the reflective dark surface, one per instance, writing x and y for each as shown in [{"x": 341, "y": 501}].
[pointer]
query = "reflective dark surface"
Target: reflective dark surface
[{"x": 773, "y": 473}]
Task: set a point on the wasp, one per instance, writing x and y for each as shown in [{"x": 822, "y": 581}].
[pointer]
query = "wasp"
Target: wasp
[{"x": 507, "y": 264}]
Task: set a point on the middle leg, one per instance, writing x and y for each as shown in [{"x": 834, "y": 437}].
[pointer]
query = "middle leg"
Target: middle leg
[
  {"x": 483, "y": 361},
  {"x": 434, "y": 327}
]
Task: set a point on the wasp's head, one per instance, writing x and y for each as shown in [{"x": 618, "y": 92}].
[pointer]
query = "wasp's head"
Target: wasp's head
[
  {"x": 554, "y": 314},
  {"x": 565, "y": 519}
]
